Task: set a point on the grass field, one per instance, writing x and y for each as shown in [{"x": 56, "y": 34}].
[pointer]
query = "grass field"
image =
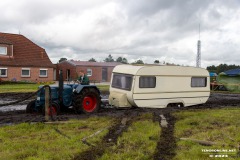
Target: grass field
[
  {"x": 139, "y": 141},
  {"x": 43, "y": 141},
  {"x": 6, "y": 88},
  {"x": 220, "y": 126}
]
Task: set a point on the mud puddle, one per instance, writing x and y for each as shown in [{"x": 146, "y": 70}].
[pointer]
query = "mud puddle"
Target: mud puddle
[
  {"x": 12, "y": 97},
  {"x": 12, "y": 108}
]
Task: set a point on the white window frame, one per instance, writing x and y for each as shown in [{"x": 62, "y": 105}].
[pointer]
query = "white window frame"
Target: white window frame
[
  {"x": 89, "y": 70},
  {"x": 1, "y": 73},
  {"x": 42, "y": 69},
  {"x": 199, "y": 82},
  {"x": 147, "y": 81},
  {"x": 26, "y": 75},
  {"x": 2, "y": 53}
]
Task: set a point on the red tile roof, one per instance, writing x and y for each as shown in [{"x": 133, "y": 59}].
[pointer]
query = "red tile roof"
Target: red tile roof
[
  {"x": 5, "y": 41},
  {"x": 87, "y": 63},
  {"x": 25, "y": 52}
]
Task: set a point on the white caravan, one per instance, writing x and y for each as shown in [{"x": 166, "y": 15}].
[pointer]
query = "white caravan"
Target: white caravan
[{"x": 155, "y": 86}]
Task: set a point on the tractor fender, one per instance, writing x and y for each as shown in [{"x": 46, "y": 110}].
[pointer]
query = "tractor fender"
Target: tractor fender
[{"x": 81, "y": 87}]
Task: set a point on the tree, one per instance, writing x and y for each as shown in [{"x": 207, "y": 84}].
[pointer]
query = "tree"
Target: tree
[
  {"x": 119, "y": 59},
  {"x": 62, "y": 59},
  {"x": 138, "y": 62},
  {"x": 109, "y": 58},
  {"x": 122, "y": 60},
  {"x": 92, "y": 60},
  {"x": 125, "y": 61},
  {"x": 221, "y": 68},
  {"x": 156, "y": 62},
  {"x": 212, "y": 68}
]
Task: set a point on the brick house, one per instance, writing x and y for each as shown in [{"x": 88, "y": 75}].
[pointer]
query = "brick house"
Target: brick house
[
  {"x": 96, "y": 71},
  {"x": 23, "y": 60}
]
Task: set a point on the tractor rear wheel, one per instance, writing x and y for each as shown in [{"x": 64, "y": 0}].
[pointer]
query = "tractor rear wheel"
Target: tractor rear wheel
[
  {"x": 88, "y": 101},
  {"x": 31, "y": 107}
]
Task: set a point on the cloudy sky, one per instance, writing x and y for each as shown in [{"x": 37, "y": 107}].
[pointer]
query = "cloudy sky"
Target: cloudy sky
[{"x": 166, "y": 30}]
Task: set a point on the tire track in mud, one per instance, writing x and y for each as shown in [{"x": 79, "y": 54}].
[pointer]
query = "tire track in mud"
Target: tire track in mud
[
  {"x": 167, "y": 144},
  {"x": 121, "y": 125}
]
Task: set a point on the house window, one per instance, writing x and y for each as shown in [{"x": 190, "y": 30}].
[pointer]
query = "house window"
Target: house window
[
  {"x": 3, "y": 50},
  {"x": 25, "y": 72},
  {"x": 147, "y": 82},
  {"x": 89, "y": 72},
  {"x": 199, "y": 82},
  {"x": 3, "y": 72},
  {"x": 43, "y": 73}
]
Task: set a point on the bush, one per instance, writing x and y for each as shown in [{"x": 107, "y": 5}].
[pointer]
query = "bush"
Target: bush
[{"x": 16, "y": 82}]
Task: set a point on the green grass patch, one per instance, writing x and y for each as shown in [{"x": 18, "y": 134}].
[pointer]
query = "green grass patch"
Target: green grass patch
[
  {"x": 138, "y": 142},
  {"x": 43, "y": 141},
  {"x": 7, "y": 88},
  {"x": 226, "y": 92},
  {"x": 215, "y": 125},
  {"x": 104, "y": 88}
]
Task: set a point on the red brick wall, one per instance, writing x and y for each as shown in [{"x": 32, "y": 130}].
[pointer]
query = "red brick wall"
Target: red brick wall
[
  {"x": 64, "y": 66},
  {"x": 96, "y": 72},
  {"x": 74, "y": 71},
  {"x": 110, "y": 69},
  {"x": 15, "y": 73}
]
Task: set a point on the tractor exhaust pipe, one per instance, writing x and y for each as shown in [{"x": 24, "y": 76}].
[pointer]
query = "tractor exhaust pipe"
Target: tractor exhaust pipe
[{"x": 60, "y": 85}]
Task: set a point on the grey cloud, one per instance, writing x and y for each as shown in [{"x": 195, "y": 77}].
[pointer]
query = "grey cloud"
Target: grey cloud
[{"x": 156, "y": 29}]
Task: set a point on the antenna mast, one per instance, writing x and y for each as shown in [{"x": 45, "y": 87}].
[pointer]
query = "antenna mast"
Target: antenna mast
[{"x": 198, "y": 60}]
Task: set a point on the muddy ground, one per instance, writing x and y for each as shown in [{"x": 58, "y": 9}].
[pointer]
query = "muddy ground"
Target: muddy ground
[{"x": 16, "y": 114}]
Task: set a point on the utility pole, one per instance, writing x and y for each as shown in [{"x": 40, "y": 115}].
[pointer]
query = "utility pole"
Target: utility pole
[
  {"x": 198, "y": 59},
  {"x": 47, "y": 97}
]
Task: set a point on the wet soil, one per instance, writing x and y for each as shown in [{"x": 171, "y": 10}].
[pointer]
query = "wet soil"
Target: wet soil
[
  {"x": 216, "y": 100},
  {"x": 13, "y": 96},
  {"x": 166, "y": 146},
  {"x": 121, "y": 124},
  {"x": 223, "y": 100},
  {"x": 17, "y": 98}
]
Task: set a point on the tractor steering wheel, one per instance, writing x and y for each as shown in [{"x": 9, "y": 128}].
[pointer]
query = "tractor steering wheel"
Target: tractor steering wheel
[{"x": 76, "y": 81}]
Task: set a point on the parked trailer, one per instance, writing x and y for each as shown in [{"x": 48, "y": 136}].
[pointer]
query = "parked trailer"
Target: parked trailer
[{"x": 158, "y": 86}]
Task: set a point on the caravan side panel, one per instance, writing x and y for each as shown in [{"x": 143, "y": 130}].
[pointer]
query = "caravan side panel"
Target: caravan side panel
[{"x": 171, "y": 89}]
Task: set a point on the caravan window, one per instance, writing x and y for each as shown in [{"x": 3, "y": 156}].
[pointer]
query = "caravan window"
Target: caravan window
[
  {"x": 147, "y": 82},
  {"x": 199, "y": 82},
  {"x": 122, "y": 81}
]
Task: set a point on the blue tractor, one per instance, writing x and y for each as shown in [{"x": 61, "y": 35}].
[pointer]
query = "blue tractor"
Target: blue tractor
[{"x": 83, "y": 98}]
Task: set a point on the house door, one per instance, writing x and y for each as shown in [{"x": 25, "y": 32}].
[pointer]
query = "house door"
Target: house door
[
  {"x": 68, "y": 75},
  {"x": 104, "y": 74},
  {"x": 54, "y": 75}
]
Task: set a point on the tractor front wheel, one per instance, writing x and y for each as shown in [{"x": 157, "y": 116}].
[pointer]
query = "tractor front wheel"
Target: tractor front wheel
[
  {"x": 53, "y": 109},
  {"x": 88, "y": 101},
  {"x": 31, "y": 107}
]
